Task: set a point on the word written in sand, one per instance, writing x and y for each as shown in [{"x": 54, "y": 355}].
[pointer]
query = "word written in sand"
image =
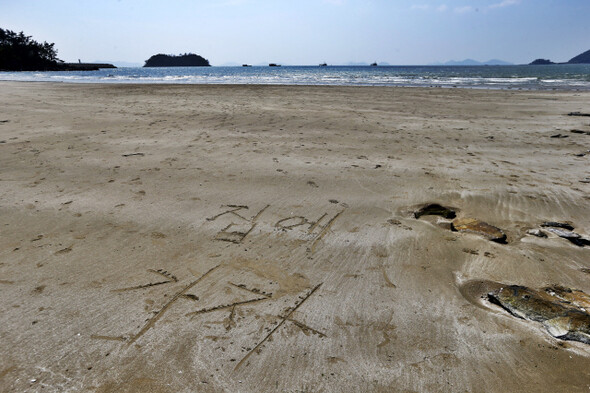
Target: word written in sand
[
  {"x": 242, "y": 223},
  {"x": 249, "y": 296},
  {"x": 236, "y": 232},
  {"x": 160, "y": 313}
]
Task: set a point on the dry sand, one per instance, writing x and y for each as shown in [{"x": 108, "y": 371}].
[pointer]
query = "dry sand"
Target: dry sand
[{"x": 256, "y": 239}]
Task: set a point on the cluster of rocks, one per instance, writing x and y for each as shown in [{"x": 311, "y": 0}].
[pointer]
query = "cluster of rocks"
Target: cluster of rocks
[
  {"x": 473, "y": 225},
  {"x": 465, "y": 224},
  {"x": 564, "y": 312},
  {"x": 561, "y": 229}
]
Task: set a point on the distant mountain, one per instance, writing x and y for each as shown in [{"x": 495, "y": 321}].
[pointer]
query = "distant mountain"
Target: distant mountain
[
  {"x": 186, "y": 60},
  {"x": 497, "y": 62},
  {"x": 471, "y": 62},
  {"x": 583, "y": 58}
]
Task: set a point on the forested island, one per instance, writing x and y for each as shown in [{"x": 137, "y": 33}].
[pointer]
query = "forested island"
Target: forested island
[
  {"x": 186, "y": 60},
  {"x": 19, "y": 52}
]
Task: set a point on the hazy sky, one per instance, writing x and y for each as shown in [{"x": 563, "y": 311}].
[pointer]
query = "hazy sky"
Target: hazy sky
[{"x": 306, "y": 31}]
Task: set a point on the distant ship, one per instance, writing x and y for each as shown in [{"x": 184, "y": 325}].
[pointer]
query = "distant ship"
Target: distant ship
[
  {"x": 274, "y": 65},
  {"x": 373, "y": 64},
  {"x": 246, "y": 65},
  {"x": 323, "y": 65}
]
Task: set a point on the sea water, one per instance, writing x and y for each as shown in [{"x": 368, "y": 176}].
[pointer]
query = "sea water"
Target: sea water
[{"x": 525, "y": 77}]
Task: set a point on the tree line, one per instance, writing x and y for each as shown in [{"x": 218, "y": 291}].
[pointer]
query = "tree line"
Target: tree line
[{"x": 19, "y": 52}]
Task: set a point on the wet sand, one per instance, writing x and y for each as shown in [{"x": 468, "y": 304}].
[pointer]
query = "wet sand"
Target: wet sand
[{"x": 162, "y": 238}]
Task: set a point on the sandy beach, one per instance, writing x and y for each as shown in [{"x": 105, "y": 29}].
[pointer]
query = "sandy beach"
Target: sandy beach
[{"x": 211, "y": 238}]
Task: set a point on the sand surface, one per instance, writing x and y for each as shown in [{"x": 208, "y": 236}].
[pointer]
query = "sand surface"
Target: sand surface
[{"x": 257, "y": 239}]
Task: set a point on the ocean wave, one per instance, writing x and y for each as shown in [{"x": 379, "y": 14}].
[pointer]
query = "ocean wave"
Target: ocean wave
[{"x": 491, "y": 77}]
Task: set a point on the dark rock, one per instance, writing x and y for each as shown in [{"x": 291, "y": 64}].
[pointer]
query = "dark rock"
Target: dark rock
[
  {"x": 580, "y": 242},
  {"x": 133, "y": 154},
  {"x": 435, "y": 209},
  {"x": 473, "y": 225},
  {"x": 554, "y": 224}
]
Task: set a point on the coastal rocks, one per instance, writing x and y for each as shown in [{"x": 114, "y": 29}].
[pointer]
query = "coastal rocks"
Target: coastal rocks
[
  {"x": 470, "y": 225},
  {"x": 560, "y": 229},
  {"x": 473, "y": 225},
  {"x": 435, "y": 209},
  {"x": 557, "y": 308}
]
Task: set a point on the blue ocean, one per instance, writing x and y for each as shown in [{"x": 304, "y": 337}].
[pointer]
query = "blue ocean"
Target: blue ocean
[{"x": 524, "y": 77}]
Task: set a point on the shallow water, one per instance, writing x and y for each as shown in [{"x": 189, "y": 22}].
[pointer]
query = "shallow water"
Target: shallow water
[{"x": 544, "y": 77}]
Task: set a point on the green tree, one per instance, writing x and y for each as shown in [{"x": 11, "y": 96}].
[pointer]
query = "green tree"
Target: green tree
[{"x": 19, "y": 52}]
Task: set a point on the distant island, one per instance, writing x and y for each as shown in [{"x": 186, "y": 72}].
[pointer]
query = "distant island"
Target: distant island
[
  {"x": 186, "y": 60},
  {"x": 583, "y": 58},
  {"x": 19, "y": 52},
  {"x": 541, "y": 62}
]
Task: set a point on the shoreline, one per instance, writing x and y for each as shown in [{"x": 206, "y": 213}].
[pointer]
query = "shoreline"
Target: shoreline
[
  {"x": 170, "y": 237},
  {"x": 530, "y": 78},
  {"x": 508, "y": 89}
]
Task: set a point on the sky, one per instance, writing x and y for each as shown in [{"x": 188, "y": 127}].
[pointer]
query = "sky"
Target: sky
[{"x": 306, "y": 32}]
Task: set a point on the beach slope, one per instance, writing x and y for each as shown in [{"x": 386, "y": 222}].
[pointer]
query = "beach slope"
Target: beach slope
[{"x": 169, "y": 238}]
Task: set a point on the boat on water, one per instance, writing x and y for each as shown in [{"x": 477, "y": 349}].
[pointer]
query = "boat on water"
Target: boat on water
[
  {"x": 323, "y": 64},
  {"x": 274, "y": 65},
  {"x": 246, "y": 65},
  {"x": 374, "y": 64}
]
